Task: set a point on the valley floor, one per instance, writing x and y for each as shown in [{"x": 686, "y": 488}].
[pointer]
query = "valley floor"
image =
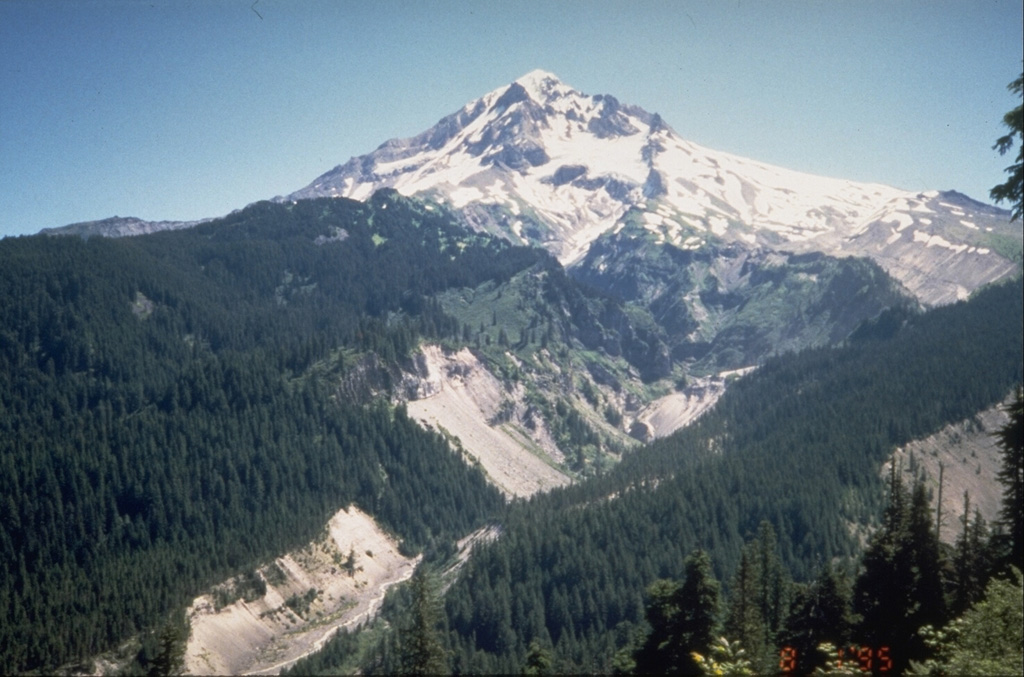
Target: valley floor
[{"x": 668, "y": 414}]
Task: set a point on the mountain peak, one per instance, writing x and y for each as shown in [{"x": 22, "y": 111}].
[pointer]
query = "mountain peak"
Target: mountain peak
[
  {"x": 541, "y": 84},
  {"x": 545, "y": 164}
]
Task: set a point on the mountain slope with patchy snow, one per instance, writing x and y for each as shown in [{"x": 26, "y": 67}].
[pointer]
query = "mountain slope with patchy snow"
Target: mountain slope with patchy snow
[{"x": 542, "y": 163}]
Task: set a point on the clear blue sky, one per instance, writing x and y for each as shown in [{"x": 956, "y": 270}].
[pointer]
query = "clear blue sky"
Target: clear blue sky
[{"x": 188, "y": 109}]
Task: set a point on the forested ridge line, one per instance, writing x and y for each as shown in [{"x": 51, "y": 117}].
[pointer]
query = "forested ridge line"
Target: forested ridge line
[{"x": 160, "y": 429}]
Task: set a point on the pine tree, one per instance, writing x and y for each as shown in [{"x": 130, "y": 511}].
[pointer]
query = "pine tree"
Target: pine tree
[
  {"x": 819, "y": 613},
  {"x": 744, "y": 620},
  {"x": 698, "y": 608},
  {"x": 538, "y": 660},
  {"x": 900, "y": 588},
  {"x": 925, "y": 560},
  {"x": 758, "y": 600},
  {"x": 1012, "y": 190},
  {"x": 773, "y": 584},
  {"x": 1011, "y": 475},
  {"x": 170, "y": 660},
  {"x": 683, "y": 619},
  {"x": 421, "y": 651},
  {"x": 971, "y": 562},
  {"x": 662, "y": 651}
]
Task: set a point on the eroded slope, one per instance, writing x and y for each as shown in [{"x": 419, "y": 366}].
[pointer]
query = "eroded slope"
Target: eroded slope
[
  {"x": 334, "y": 582},
  {"x": 970, "y": 459},
  {"x": 459, "y": 396}
]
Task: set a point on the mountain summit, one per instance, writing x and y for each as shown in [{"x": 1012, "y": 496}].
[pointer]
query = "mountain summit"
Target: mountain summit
[{"x": 542, "y": 163}]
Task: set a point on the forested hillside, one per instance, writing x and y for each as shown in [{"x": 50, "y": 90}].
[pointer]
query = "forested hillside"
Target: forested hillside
[
  {"x": 788, "y": 461},
  {"x": 174, "y": 411},
  {"x": 161, "y": 428}
]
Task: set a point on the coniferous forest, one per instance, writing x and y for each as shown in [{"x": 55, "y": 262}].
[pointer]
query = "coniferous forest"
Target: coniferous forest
[
  {"x": 740, "y": 526},
  {"x": 766, "y": 483},
  {"x": 159, "y": 429},
  {"x": 170, "y": 416}
]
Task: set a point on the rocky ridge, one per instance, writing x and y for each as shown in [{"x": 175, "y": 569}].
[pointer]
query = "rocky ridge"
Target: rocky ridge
[{"x": 119, "y": 226}]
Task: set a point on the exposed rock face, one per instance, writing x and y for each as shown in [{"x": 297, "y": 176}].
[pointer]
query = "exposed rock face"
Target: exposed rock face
[
  {"x": 670, "y": 413},
  {"x": 939, "y": 245},
  {"x": 456, "y": 394}
]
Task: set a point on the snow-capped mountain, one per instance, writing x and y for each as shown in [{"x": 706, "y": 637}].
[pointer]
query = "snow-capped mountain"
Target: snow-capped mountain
[{"x": 545, "y": 164}]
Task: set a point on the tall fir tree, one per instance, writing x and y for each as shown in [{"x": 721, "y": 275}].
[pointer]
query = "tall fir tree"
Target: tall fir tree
[
  {"x": 971, "y": 560},
  {"x": 698, "y": 608},
  {"x": 900, "y": 589},
  {"x": 744, "y": 621},
  {"x": 774, "y": 586},
  {"x": 683, "y": 620},
  {"x": 1012, "y": 190},
  {"x": 420, "y": 645},
  {"x": 1011, "y": 475},
  {"x": 758, "y": 598},
  {"x": 662, "y": 651},
  {"x": 819, "y": 613},
  {"x": 925, "y": 560}
]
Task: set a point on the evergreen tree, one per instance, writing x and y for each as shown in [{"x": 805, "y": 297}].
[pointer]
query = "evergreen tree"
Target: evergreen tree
[
  {"x": 971, "y": 561},
  {"x": 662, "y": 652},
  {"x": 758, "y": 598},
  {"x": 900, "y": 588},
  {"x": 819, "y": 613},
  {"x": 1012, "y": 190},
  {"x": 876, "y": 589},
  {"x": 773, "y": 585},
  {"x": 683, "y": 619},
  {"x": 421, "y": 651},
  {"x": 925, "y": 560},
  {"x": 698, "y": 607},
  {"x": 173, "y": 637},
  {"x": 538, "y": 660},
  {"x": 744, "y": 620},
  {"x": 1011, "y": 475}
]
